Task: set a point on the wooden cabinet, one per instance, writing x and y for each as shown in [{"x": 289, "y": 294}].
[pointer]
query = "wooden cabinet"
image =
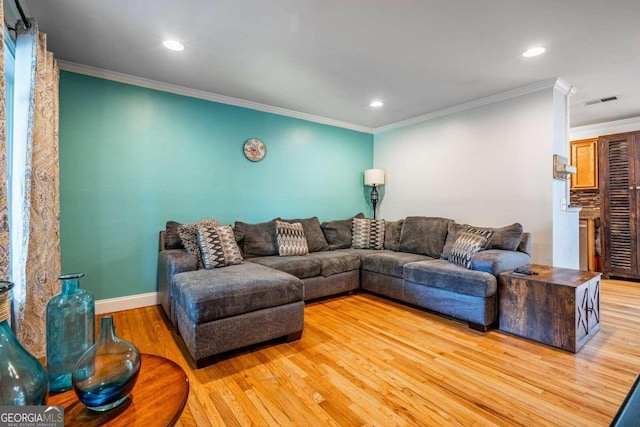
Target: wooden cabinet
[
  {"x": 619, "y": 204},
  {"x": 557, "y": 306},
  {"x": 584, "y": 156}
]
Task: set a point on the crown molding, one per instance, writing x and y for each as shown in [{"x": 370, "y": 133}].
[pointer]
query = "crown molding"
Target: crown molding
[
  {"x": 631, "y": 122},
  {"x": 499, "y": 97},
  {"x": 208, "y": 96},
  {"x": 564, "y": 87}
]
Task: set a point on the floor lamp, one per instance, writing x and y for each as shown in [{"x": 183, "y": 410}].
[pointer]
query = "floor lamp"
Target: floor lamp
[{"x": 374, "y": 178}]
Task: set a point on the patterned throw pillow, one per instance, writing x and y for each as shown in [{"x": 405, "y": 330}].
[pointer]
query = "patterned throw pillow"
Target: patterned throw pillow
[
  {"x": 367, "y": 233},
  {"x": 291, "y": 239},
  {"x": 218, "y": 246},
  {"x": 468, "y": 243},
  {"x": 189, "y": 236}
]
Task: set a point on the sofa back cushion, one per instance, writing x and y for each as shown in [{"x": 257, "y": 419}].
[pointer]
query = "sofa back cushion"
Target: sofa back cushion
[
  {"x": 507, "y": 238},
  {"x": 312, "y": 231},
  {"x": 392, "y": 235},
  {"x": 424, "y": 235},
  {"x": 257, "y": 239},
  {"x": 338, "y": 232}
]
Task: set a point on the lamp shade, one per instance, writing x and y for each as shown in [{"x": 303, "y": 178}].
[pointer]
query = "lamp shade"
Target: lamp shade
[{"x": 374, "y": 177}]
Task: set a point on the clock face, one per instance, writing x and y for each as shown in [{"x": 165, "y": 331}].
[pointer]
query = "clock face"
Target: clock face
[{"x": 254, "y": 149}]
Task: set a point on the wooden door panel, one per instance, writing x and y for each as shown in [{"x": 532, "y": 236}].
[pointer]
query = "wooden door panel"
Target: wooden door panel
[{"x": 618, "y": 204}]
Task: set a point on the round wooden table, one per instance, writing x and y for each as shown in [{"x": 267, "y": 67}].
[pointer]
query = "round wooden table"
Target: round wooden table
[{"x": 157, "y": 399}]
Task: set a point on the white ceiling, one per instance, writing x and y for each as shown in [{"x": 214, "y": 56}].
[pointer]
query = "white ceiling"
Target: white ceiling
[{"x": 330, "y": 58}]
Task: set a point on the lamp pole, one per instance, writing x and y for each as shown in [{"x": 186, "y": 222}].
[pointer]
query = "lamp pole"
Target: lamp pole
[{"x": 374, "y": 200}]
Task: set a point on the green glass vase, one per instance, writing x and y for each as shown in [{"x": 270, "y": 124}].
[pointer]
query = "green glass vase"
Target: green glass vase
[
  {"x": 70, "y": 330},
  {"x": 23, "y": 380}
]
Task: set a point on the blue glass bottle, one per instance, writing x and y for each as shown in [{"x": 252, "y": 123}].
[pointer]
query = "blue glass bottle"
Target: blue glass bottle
[
  {"x": 106, "y": 373},
  {"x": 23, "y": 380},
  {"x": 70, "y": 330}
]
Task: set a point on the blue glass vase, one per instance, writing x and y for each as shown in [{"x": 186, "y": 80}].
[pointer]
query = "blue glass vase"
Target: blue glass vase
[
  {"x": 70, "y": 330},
  {"x": 105, "y": 374},
  {"x": 23, "y": 380}
]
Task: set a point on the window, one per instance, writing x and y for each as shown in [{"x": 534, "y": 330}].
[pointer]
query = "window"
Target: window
[{"x": 9, "y": 75}]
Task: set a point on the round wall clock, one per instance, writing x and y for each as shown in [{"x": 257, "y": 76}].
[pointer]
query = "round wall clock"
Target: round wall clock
[{"x": 254, "y": 149}]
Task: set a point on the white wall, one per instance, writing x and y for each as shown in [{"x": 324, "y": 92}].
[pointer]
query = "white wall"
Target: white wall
[
  {"x": 487, "y": 166},
  {"x": 566, "y": 221}
]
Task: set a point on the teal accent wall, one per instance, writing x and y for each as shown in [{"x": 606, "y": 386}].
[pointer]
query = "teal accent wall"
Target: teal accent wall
[{"x": 132, "y": 158}]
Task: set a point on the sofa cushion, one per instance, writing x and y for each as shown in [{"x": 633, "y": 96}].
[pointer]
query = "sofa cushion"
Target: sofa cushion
[
  {"x": 218, "y": 246},
  {"x": 367, "y": 233},
  {"x": 302, "y": 266},
  {"x": 424, "y": 235},
  {"x": 390, "y": 263},
  {"x": 338, "y": 232},
  {"x": 257, "y": 239},
  {"x": 291, "y": 239},
  {"x": 362, "y": 253},
  {"x": 468, "y": 243},
  {"x": 496, "y": 261},
  {"x": 333, "y": 262},
  {"x": 189, "y": 236},
  {"x": 392, "y": 234},
  {"x": 312, "y": 231},
  {"x": 507, "y": 237},
  {"x": 207, "y": 295},
  {"x": 172, "y": 239},
  {"x": 442, "y": 274}
]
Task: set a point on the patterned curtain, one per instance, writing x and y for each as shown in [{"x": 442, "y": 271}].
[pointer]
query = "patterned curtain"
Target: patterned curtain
[
  {"x": 4, "y": 211},
  {"x": 40, "y": 264}
]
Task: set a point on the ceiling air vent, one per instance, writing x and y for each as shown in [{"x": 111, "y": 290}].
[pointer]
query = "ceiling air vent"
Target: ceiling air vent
[{"x": 600, "y": 101}]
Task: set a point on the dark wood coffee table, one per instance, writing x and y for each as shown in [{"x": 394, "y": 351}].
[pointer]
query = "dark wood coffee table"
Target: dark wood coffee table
[
  {"x": 557, "y": 306},
  {"x": 157, "y": 399}
]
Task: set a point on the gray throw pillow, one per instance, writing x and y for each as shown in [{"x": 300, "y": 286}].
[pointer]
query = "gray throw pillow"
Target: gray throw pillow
[
  {"x": 467, "y": 244},
  {"x": 338, "y": 232},
  {"x": 392, "y": 234},
  {"x": 257, "y": 239},
  {"x": 507, "y": 238},
  {"x": 218, "y": 246},
  {"x": 424, "y": 235},
  {"x": 171, "y": 237},
  {"x": 291, "y": 239},
  {"x": 312, "y": 231},
  {"x": 367, "y": 233},
  {"x": 189, "y": 236},
  {"x": 453, "y": 231}
]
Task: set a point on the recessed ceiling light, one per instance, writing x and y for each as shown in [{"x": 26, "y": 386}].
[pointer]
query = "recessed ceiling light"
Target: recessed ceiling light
[
  {"x": 534, "y": 51},
  {"x": 376, "y": 104},
  {"x": 173, "y": 45}
]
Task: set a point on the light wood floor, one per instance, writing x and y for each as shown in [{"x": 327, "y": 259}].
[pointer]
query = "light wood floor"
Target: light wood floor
[{"x": 364, "y": 360}]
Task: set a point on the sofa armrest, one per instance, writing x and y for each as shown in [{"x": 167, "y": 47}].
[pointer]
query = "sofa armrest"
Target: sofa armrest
[
  {"x": 170, "y": 263},
  {"x": 496, "y": 261}
]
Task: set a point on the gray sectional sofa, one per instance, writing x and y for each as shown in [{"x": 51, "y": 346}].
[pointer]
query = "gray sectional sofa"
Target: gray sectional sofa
[{"x": 222, "y": 309}]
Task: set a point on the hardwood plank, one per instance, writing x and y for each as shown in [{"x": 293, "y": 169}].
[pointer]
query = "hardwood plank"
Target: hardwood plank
[{"x": 365, "y": 360}]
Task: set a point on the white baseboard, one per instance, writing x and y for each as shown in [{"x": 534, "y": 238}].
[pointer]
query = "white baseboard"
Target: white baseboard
[{"x": 126, "y": 303}]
